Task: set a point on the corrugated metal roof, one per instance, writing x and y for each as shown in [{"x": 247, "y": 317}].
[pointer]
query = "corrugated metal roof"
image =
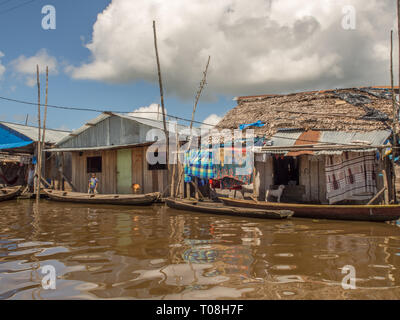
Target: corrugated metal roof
[
  {"x": 373, "y": 138},
  {"x": 284, "y": 139},
  {"x": 114, "y": 129},
  {"x": 52, "y": 136},
  {"x": 340, "y": 138}
]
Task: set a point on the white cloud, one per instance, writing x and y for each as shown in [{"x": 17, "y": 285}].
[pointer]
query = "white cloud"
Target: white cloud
[
  {"x": 256, "y": 47},
  {"x": 2, "y": 68},
  {"x": 26, "y": 66},
  {"x": 153, "y": 111},
  {"x": 212, "y": 119}
]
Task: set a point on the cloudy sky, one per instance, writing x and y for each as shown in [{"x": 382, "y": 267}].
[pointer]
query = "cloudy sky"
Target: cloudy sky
[{"x": 101, "y": 54}]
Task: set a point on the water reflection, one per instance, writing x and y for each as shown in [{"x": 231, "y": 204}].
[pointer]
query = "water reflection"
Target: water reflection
[{"x": 158, "y": 253}]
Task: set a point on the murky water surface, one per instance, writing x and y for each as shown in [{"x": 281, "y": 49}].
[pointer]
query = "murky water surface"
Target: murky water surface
[{"x": 108, "y": 252}]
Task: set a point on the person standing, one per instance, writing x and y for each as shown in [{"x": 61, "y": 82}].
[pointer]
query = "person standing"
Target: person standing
[{"x": 93, "y": 184}]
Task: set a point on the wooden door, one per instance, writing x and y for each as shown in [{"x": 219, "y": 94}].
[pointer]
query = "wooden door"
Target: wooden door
[
  {"x": 137, "y": 168},
  {"x": 124, "y": 171}
]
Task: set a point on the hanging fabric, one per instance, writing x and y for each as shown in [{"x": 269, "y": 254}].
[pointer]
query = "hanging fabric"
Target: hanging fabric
[{"x": 350, "y": 176}]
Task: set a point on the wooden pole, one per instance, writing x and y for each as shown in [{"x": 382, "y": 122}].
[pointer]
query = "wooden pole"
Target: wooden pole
[
  {"x": 202, "y": 84},
  {"x": 176, "y": 164},
  {"x": 45, "y": 119},
  {"x": 386, "y": 186},
  {"x": 398, "y": 33},
  {"x": 39, "y": 151},
  {"x": 62, "y": 172},
  {"x": 393, "y": 175},
  {"x": 376, "y": 196},
  {"x": 162, "y": 101}
]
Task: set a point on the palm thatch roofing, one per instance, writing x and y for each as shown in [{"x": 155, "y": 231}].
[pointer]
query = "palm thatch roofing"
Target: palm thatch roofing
[{"x": 348, "y": 110}]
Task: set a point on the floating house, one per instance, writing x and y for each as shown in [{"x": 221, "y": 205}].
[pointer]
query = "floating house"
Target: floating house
[
  {"x": 330, "y": 146},
  {"x": 114, "y": 147},
  {"x": 18, "y": 148}
]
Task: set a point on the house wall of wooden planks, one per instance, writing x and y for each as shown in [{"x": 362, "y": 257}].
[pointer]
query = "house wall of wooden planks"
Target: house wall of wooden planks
[
  {"x": 149, "y": 180},
  {"x": 312, "y": 179}
]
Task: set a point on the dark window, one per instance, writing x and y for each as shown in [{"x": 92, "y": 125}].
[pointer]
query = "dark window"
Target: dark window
[
  {"x": 93, "y": 164},
  {"x": 157, "y": 166}
]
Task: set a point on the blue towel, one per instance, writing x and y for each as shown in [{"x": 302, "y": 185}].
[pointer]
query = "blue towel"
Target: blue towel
[{"x": 255, "y": 124}]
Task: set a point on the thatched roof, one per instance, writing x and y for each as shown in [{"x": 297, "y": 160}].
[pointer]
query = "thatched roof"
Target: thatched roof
[{"x": 355, "y": 109}]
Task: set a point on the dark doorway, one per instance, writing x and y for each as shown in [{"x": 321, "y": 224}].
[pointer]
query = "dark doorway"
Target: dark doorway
[{"x": 286, "y": 169}]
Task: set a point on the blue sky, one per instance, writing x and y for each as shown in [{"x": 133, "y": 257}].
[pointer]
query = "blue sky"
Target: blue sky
[
  {"x": 22, "y": 34},
  {"x": 104, "y": 56}
]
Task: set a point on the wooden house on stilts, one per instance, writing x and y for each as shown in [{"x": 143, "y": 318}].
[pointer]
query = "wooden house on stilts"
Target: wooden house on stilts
[
  {"x": 115, "y": 147},
  {"x": 332, "y": 146},
  {"x": 18, "y": 149}
]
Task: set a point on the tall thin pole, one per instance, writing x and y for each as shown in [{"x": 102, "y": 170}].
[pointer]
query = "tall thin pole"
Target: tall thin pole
[
  {"x": 398, "y": 34},
  {"x": 393, "y": 180},
  {"x": 45, "y": 118},
  {"x": 196, "y": 101},
  {"x": 39, "y": 151},
  {"x": 202, "y": 84},
  {"x": 162, "y": 102}
]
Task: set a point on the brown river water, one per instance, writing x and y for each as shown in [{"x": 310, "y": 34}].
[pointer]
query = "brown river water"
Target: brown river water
[{"x": 113, "y": 252}]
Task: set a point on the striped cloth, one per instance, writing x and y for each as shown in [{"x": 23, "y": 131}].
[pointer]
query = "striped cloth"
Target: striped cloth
[
  {"x": 350, "y": 176},
  {"x": 198, "y": 163}
]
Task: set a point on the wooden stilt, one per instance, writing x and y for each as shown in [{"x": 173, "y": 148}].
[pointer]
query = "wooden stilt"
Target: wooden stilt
[
  {"x": 386, "y": 186},
  {"x": 175, "y": 163}
]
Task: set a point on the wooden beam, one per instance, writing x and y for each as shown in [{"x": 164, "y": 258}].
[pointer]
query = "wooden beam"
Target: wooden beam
[
  {"x": 376, "y": 196},
  {"x": 45, "y": 183},
  {"x": 386, "y": 186},
  {"x": 197, "y": 190}
]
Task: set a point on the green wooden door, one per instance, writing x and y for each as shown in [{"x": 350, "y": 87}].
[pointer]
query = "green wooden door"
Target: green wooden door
[{"x": 124, "y": 171}]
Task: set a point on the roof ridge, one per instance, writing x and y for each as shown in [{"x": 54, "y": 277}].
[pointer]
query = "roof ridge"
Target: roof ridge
[{"x": 29, "y": 126}]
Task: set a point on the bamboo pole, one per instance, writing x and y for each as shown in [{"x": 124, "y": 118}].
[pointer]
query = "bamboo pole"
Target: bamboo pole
[
  {"x": 376, "y": 196},
  {"x": 39, "y": 151},
  {"x": 198, "y": 94},
  {"x": 44, "y": 120},
  {"x": 398, "y": 34},
  {"x": 202, "y": 84},
  {"x": 175, "y": 164},
  {"x": 393, "y": 175},
  {"x": 386, "y": 186},
  {"x": 162, "y": 102}
]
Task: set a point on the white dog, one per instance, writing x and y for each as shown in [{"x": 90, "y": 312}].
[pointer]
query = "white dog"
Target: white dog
[{"x": 275, "y": 193}]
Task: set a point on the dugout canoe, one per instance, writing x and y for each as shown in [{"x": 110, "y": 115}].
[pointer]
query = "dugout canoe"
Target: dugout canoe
[
  {"x": 221, "y": 209},
  {"x": 315, "y": 211},
  {"x": 118, "y": 199},
  {"x": 10, "y": 193}
]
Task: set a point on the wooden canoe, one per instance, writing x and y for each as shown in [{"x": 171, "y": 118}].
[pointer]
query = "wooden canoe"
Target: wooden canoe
[
  {"x": 120, "y": 199},
  {"x": 10, "y": 193},
  {"x": 221, "y": 209},
  {"x": 335, "y": 212}
]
